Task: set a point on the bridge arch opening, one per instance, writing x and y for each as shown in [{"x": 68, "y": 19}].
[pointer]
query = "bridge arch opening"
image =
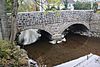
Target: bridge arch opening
[
  {"x": 45, "y": 36},
  {"x": 80, "y": 29},
  {"x": 30, "y": 36}
]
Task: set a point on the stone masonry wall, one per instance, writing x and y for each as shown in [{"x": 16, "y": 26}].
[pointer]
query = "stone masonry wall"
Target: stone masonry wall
[
  {"x": 53, "y": 22},
  {"x": 57, "y": 22},
  {"x": 95, "y": 24}
]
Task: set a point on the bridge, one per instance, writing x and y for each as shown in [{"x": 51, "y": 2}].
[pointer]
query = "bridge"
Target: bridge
[{"x": 57, "y": 23}]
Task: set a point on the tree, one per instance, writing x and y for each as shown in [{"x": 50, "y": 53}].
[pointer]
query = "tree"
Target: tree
[
  {"x": 4, "y": 23},
  {"x": 8, "y": 5},
  {"x": 13, "y": 20},
  {"x": 95, "y": 6},
  {"x": 65, "y": 4},
  {"x": 82, "y": 5},
  {"x": 27, "y": 6},
  {"x": 53, "y": 4}
]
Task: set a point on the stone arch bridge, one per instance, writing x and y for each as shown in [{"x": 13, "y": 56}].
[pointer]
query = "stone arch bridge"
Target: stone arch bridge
[{"x": 55, "y": 23}]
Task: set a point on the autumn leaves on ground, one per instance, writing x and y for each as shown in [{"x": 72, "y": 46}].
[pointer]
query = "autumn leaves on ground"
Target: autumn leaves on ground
[{"x": 75, "y": 47}]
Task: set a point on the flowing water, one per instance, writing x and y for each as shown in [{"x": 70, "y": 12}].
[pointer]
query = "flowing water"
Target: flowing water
[{"x": 50, "y": 55}]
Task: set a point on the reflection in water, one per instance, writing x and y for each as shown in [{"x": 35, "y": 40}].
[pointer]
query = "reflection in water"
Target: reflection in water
[{"x": 76, "y": 45}]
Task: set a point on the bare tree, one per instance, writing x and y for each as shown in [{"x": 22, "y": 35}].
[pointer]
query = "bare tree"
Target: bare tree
[
  {"x": 13, "y": 20},
  {"x": 4, "y": 23}
]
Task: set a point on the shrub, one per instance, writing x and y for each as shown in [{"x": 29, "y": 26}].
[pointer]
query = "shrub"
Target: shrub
[{"x": 10, "y": 54}]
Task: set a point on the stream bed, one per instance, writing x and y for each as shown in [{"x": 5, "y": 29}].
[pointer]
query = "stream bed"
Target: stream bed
[{"x": 46, "y": 54}]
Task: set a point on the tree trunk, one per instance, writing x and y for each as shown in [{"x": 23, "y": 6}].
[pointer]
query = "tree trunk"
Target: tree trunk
[
  {"x": 41, "y": 5},
  {"x": 13, "y": 20},
  {"x": 4, "y": 23}
]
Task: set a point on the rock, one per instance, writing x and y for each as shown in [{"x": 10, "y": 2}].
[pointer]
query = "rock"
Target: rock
[
  {"x": 64, "y": 39},
  {"x": 52, "y": 42},
  {"x": 59, "y": 41},
  {"x": 32, "y": 62}
]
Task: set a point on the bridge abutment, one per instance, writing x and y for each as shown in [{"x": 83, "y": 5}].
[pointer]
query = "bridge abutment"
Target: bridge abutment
[{"x": 57, "y": 37}]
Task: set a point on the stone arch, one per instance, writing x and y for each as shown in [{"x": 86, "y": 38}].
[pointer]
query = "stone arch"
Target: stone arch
[
  {"x": 66, "y": 25},
  {"x": 44, "y": 34},
  {"x": 38, "y": 30},
  {"x": 76, "y": 27},
  {"x": 35, "y": 27}
]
